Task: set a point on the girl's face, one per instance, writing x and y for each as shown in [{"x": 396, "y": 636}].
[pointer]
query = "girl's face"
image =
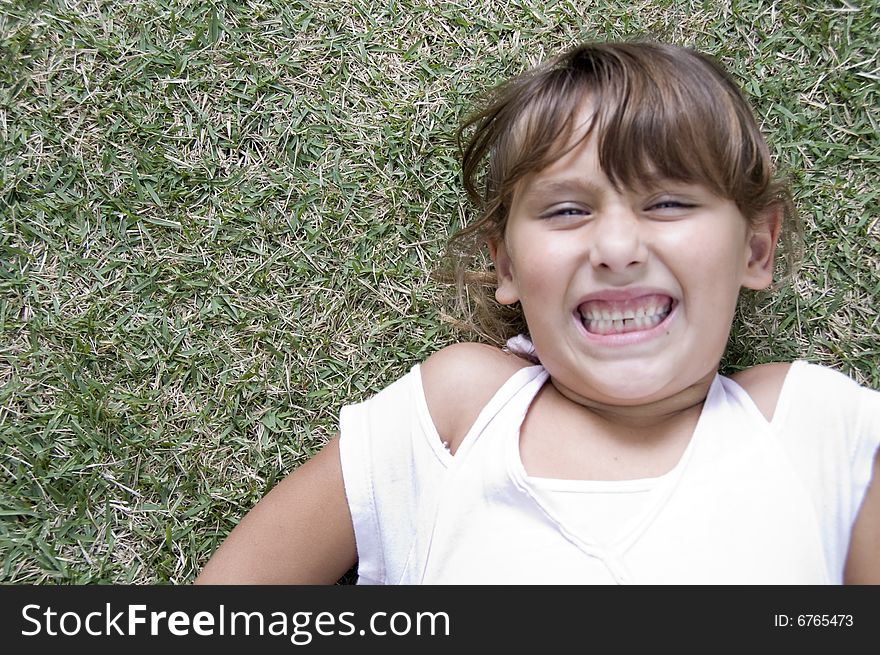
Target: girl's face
[{"x": 629, "y": 294}]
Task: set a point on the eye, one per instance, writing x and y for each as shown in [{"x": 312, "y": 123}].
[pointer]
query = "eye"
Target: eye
[
  {"x": 566, "y": 211},
  {"x": 671, "y": 204}
]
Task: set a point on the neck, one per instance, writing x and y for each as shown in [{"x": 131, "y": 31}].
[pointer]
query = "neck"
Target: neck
[{"x": 683, "y": 405}]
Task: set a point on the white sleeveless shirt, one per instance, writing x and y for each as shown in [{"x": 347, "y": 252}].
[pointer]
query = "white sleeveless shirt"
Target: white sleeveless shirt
[{"x": 749, "y": 502}]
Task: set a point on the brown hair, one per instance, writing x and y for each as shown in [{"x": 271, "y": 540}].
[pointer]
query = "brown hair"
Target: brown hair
[{"x": 660, "y": 112}]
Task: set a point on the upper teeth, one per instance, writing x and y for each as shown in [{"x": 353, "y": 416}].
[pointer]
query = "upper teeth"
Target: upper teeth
[{"x": 649, "y": 311}]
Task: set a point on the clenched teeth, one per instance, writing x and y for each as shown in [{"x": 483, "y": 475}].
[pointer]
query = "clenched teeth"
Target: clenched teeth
[{"x": 607, "y": 317}]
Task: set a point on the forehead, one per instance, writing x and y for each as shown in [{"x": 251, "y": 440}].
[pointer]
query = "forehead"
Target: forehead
[
  {"x": 576, "y": 169},
  {"x": 577, "y": 172},
  {"x": 573, "y": 146}
]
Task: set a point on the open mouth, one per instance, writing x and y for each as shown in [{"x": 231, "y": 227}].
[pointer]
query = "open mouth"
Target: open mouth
[{"x": 621, "y": 316}]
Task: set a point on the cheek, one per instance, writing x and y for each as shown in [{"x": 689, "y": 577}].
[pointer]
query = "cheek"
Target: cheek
[
  {"x": 721, "y": 251},
  {"x": 543, "y": 271},
  {"x": 714, "y": 268}
]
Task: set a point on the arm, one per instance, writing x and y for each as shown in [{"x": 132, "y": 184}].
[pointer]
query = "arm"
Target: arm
[
  {"x": 299, "y": 533},
  {"x": 863, "y": 560}
]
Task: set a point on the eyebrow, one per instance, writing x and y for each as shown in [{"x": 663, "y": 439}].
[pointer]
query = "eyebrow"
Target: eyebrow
[
  {"x": 541, "y": 189},
  {"x": 544, "y": 188}
]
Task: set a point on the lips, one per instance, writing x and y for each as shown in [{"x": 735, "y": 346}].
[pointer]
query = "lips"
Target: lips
[{"x": 604, "y": 316}]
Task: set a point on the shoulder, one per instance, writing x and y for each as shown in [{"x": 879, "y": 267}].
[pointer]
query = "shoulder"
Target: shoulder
[
  {"x": 764, "y": 384},
  {"x": 459, "y": 380},
  {"x": 804, "y": 385}
]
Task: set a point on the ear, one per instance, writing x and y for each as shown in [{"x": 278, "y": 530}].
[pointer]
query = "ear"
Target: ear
[
  {"x": 505, "y": 290},
  {"x": 761, "y": 248}
]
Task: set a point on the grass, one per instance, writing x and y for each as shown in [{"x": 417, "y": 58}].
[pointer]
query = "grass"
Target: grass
[{"x": 218, "y": 221}]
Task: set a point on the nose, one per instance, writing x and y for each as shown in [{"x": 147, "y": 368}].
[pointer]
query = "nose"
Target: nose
[{"x": 617, "y": 241}]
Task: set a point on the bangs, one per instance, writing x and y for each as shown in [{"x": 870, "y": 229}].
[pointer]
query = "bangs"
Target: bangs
[
  {"x": 658, "y": 114},
  {"x": 668, "y": 120}
]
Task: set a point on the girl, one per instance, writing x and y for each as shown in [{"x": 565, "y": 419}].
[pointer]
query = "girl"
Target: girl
[{"x": 626, "y": 197}]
